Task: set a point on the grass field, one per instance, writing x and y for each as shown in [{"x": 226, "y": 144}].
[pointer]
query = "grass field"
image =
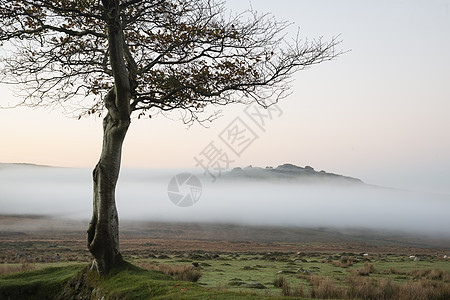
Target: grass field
[
  {"x": 170, "y": 261},
  {"x": 240, "y": 276},
  {"x": 260, "y": 272}
]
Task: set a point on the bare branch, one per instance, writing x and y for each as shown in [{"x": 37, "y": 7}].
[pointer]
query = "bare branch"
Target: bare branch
[{"x": 173, "y": 55}]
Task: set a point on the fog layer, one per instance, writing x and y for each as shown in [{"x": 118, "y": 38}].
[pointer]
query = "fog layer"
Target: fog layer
[{"x": 142, "y": 195}]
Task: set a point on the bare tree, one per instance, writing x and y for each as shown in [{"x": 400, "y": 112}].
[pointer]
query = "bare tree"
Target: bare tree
[{"x": 143, "y": 56}]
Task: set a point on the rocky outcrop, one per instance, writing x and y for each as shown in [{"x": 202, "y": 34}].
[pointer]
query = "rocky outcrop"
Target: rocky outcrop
[{"x": 289, "y": 172}]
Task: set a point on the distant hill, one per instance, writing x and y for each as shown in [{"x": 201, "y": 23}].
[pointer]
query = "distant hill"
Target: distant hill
[
  {"x": 11, "y": 165},
  {"x": 284, "y": 172},
  {"x": 289, "y": 172}
]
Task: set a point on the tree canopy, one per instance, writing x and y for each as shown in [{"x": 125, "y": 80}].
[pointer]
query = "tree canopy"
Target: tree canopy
[{"x": 179, "y": 54}]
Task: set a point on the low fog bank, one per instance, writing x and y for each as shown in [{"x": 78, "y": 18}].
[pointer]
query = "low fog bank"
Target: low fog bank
[{"x": 142, "y": 195}]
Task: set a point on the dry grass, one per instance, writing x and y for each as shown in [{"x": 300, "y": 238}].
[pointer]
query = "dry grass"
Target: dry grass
[
  {"x": 185, "y": 273},
  {"x": 424, "y": 290},
  {"x": 324, "y": 288},
  {"x": 343, "y": 262},
  {"x": 429, "y": 274},
  {"x": 364, "y": 271},
  {"x": 9, "y": 269},
  {"x": 280, "y": 281},
  {"x": 394, "y": 271},
  {"x": 287, "y": 289},
  {"x": 426, "y": 285},
  {"x": 365, "y": 288}
]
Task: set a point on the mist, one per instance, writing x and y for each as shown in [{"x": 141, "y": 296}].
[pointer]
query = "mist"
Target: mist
[{"x": 143, "y": 195}]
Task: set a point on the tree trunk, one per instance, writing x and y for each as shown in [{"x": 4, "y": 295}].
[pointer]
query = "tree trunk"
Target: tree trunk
[{"x": 103, "y": 231}]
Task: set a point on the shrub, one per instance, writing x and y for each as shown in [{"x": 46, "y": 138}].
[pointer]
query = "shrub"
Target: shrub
[
  {"x": 436, "y": 274},
  {"x": 343, "y": 262},
  {"x": 324, "y": 288},
  {"x": 423, "y": 289},
  {"x": 288, "y": 290},
  {"x": 394, "y": 271},
  {"x": 280, "y": 281},
  {"x": 366, "y": 270}
]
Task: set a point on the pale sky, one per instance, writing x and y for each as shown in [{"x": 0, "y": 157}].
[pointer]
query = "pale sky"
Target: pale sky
[{"x": 381, "y": 112}]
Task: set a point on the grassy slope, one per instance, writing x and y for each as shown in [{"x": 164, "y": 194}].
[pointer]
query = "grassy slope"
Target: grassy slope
[
  {"x": 129, "y": 282},
  {"x": 38, "y": 284}
]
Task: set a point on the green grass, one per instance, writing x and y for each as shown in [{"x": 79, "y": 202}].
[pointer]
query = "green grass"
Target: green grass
[
  {"x": 228, "y": 271},
  {"x": 39, "y": 284},
  {"x": 132, "y": 282},
  {"x": 222, "y": 277},
  {"x": 128, "y": 282}
]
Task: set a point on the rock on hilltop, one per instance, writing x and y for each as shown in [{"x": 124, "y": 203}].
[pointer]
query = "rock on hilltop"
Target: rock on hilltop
[{"x": 289, "y": 172}]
